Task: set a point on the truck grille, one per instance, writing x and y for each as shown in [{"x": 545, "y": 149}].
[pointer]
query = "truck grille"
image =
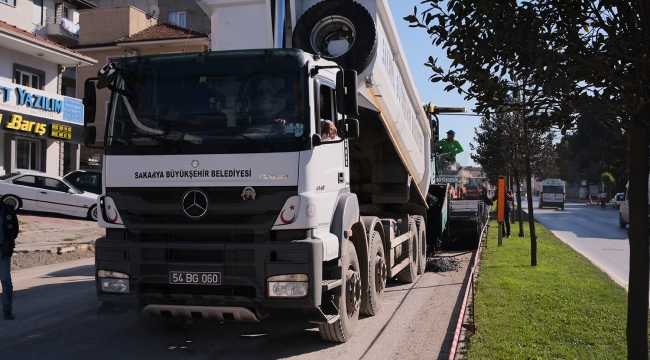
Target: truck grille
[
  {"x": 175, "y": 196},
  {"x": 159, "y": 209}
]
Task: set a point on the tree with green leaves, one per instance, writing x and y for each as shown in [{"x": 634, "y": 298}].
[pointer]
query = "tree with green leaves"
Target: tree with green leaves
[
  {"x": 566, "y": 57},
  {"x": 506, "y": 146},
  {"x": 608, "y": 181}
]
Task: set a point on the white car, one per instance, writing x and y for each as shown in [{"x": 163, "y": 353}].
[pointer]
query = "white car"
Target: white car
[
  {"x": 42, "y": 192},
  {"x": 616, "y": 200}
]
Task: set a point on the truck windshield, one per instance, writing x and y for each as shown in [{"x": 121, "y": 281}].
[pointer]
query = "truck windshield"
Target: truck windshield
[
  {"x": 553, "y": 189},
  {"x": 238, "y": 101}
]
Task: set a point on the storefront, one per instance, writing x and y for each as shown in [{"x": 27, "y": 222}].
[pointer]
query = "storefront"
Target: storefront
[{"x": 39, "y": 130}]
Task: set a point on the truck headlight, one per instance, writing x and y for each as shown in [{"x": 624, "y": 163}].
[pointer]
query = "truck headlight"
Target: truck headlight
[
  {"x": 113, "y": 281},
  {"x": 293, "y": 285}
]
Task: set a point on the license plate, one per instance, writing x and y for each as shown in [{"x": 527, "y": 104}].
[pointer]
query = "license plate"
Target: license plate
[{"x": 198, "y": 278}]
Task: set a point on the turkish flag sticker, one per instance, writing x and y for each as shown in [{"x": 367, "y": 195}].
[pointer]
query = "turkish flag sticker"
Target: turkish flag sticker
[
  {"x": 289, "y": 212},
  {"x": 110, "y": 210}
]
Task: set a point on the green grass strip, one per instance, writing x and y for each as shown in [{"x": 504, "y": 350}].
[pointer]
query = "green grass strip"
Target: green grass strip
[{"x": 564, "y": 308}]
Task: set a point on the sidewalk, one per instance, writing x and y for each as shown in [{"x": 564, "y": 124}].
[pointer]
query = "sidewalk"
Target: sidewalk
[{"x": 55, "y": 233}]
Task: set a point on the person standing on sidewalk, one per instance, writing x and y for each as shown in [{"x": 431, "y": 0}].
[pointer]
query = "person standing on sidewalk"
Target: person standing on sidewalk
[{"x": 9, "y": 226}]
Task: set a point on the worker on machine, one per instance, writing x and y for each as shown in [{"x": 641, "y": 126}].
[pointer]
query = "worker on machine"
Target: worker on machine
[{"x": 449, "y": 147}]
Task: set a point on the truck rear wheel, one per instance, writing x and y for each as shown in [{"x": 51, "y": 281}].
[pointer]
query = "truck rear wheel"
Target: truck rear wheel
[
  {"x": 377, "y": 273},
  {"x": 339, "y": 30},
  {"x": 422, "y": 231},
  {"x": 622, "y": 224},
  {"x": 409, "y": 273},
  {"x": 348, "y": 303}
]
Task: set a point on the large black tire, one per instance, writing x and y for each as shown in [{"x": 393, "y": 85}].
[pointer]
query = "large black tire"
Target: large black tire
[
  {"x": 422, "y": 244},
  {"x": 409, "y": 273},
  {"x": 157, "y": 325},
  {"x": 12, "y": 200},
  {"x": 335, "y": 19},
  {"x": 622, "y": 224},
  {"x": 348, "y": 303},
  {"x": 377, "y": 273}
]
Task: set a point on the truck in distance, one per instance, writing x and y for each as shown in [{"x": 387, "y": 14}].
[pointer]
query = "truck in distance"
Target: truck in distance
[{"x": 553, "y": 194}]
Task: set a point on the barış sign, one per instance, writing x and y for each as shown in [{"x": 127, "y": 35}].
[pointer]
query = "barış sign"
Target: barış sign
[{"x": 29, "y": 101}]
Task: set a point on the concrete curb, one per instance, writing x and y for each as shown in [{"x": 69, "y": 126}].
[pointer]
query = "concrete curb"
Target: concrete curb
[{"x": 58, "y": 250}]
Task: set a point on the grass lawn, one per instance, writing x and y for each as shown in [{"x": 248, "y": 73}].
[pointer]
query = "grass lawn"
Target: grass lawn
[{"x": 564, "y": 308}]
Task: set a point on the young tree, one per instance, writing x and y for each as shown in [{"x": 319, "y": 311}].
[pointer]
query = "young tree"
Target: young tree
[
  {"x": 608, "y": 181},
  {"x": 570, "y": 54},
  {"x": 506, "y": 145}
]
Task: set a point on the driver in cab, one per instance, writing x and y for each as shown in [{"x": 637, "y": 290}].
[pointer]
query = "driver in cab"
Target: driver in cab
[{"x": 292, "y": 114}]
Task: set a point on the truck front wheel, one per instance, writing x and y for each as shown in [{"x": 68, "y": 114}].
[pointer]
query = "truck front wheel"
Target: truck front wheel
[
  {"x": 377, "y": 273},
  {"x": 348, "y": 303}
]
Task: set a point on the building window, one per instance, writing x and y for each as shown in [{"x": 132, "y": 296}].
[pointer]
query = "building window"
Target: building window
[
  {"x": 37, "y": 12},
  {"x": 29, "y": 77},
  {"x": 10, "y": 2},
  {"x": 28, "y": 154},
  {"x": 61, "y": 12},
  {"x": 177, "y": 18}
]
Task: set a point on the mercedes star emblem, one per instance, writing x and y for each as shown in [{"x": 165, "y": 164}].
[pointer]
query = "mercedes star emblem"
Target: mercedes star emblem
[
  {"x": 248, "y": 193},
  {"x": 195, "y": 163},
  {"x": 195, "y": 204}
]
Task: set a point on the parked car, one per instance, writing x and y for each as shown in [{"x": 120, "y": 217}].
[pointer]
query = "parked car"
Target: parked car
[
  {"x": 616, "y": 200},
  {"x": 86, "y": 180},
  {"x": 43, "y": 192},
  {"x": 89, "y": 165}
]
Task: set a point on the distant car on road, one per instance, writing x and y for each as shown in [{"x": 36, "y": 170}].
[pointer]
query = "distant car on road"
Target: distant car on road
[
  {"x": 36, "y": 191},
  {"x": 616, "y": 200},
  {"x": 86, "y": 180}
]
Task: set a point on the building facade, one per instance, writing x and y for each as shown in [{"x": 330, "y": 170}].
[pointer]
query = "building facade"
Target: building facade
[
  {"x": 184, "y": 13},
  {"x": 40, "y": 128}
]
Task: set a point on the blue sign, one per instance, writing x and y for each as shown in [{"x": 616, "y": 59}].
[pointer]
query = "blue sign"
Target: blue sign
[{"x": 73, "y": 110}]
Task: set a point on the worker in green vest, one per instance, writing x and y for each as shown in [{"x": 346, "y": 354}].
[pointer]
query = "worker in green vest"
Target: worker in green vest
[{"x": 449, "y": 147}]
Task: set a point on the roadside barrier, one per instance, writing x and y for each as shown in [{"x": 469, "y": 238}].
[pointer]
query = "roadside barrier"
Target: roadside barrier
[{"x": 470, "y": 288}]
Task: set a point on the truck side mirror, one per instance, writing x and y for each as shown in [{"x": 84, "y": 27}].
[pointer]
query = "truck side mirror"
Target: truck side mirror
[
  {"x": 352, "y": 131},
  {"x": 89, "y": 101},
  {"x": 347, "y": 92},
  {"x": 89, "y": 135},
  {"x": 106, "y": 75}
]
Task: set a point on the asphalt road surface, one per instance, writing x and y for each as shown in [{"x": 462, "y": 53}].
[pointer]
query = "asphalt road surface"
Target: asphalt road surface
[
  {"x": 55, "y": 308},
  {"x": 593, "y": 232}
]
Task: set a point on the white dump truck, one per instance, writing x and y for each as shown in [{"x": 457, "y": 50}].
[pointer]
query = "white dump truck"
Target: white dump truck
[{"x": 289, "y": 167}]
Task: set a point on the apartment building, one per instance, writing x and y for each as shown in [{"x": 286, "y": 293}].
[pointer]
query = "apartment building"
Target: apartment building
[
  {"x": 40, "y": 128},
  {"x": 183, "y": 13}
]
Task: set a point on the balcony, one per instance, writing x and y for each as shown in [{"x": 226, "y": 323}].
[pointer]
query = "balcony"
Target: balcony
[{"x": 59, "y": 27}]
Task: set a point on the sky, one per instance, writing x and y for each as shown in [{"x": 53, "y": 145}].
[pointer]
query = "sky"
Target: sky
[{"x": 418, "y": 46}]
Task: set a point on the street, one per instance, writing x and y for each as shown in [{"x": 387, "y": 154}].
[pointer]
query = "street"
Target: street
[
  {"x": 591, "y": 231},
  {"x": 55, "y": 308}
]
